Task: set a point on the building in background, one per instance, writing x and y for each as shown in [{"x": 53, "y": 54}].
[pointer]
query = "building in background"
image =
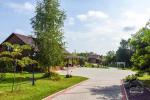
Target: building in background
[{"x": 94, "y": 58}]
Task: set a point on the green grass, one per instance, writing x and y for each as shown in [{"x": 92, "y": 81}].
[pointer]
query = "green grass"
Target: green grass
[
  {"x": 43, "y": 88},
  {"x": 146, "y": 80}
]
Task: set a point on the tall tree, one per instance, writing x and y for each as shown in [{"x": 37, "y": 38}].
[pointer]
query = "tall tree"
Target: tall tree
[
  {"x": 47, "y": 25},
  {"x": 141, "y": 43},
  {"x": 124, "y": 52}
]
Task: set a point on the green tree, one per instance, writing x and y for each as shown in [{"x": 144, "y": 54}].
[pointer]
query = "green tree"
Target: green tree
[
  {"x": 47, "y": 25},
  {"x": 110, "y": 57},
  {"x": 141, "y": 43},
  {"x": 13, "y": 55},
  {"x": 124, "y": 52},
  {"x": 124, "y": 44}
]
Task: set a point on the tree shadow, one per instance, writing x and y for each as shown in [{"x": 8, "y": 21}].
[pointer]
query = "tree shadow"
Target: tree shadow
[
  {"x": 17, "y": 80},
  {"x": 106, "y": 93}
]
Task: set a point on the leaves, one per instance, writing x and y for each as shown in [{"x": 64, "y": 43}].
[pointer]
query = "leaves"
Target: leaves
[
  {"x": 16, "y": 54},
  {"x": 47, "y": 25},
  {"x": 141, "y": 42},
  {"x": 26, "y": 61},
  {"x": 6, "y": 59}
]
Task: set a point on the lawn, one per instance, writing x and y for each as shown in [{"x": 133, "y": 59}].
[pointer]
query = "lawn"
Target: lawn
[
  {"x": 43, "y": 88},
  {"x": 146, "y": 80}
]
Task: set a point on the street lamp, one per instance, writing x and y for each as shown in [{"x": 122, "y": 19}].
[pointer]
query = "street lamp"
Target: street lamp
[{"x": 33, "y": 79}]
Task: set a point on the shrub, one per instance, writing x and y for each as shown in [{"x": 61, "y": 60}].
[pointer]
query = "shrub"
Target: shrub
[
  {"x": 55, "y": 76},
  {"x": 130, "y": 78},
  {"x": 94, "y": 65},
  {"x": 68, "y": 76},
  {"x": 88, "y": 64},
  {"x": 52, "y": 75}
]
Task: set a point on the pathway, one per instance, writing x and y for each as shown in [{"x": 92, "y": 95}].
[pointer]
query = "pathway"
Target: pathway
[{"x": 103, "y": 84}]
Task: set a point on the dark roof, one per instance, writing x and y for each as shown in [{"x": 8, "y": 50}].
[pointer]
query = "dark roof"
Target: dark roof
[
  {"x": 29, "y": 40},
  {"x": 26, "y": 39}
]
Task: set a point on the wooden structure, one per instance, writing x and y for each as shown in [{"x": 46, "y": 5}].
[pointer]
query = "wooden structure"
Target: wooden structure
[
  {"x": 71, "y": 58},
  {"x": 121, "y": 63},
  {"x": 94, "y": 58},
  {"x": 15, "y": 38}
]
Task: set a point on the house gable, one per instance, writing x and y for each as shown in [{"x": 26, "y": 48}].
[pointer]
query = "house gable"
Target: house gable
[{"x": 14, "y": 39}]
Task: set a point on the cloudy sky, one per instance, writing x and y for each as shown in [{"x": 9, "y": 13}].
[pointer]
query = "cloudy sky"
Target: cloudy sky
[{"x": 91, "y": 25}]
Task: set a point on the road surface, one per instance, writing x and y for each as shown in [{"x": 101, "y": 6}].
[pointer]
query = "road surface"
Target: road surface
[{"x": 103, "y": 84}]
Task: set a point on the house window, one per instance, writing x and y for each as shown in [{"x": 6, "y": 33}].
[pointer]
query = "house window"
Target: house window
[{"x": 9, "y": 48}]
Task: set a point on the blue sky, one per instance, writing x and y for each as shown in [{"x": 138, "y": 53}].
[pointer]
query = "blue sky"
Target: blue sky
[{"x": 91, "y": 25}]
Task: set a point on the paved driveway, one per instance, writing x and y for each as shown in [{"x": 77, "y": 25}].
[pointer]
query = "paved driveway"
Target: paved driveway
[{"x": 103, "y": 84}]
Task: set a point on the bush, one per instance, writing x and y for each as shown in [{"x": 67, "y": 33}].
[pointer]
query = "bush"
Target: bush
[
  {"x": 130, "y": 78},
  {"x": 55, "y": 76},
  {"x": 88, "y": 64},
  {"x": 68, "y": 76},
  {"x": 52, "y": 75},
  {"x": 94, "y": 65}
]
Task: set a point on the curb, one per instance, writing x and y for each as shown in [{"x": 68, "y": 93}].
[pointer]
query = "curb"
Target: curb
[
  {"x": 62, "y": 91},
  {"x": 123, "y": 90}
]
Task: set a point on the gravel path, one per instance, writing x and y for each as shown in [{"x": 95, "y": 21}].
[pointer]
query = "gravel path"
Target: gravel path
[{"x": 103, "y": 84}]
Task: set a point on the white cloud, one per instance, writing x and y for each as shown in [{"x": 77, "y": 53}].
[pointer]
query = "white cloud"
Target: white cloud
[
  {"x": 22, "y": 7},
  {"x": 102, "y": 34},
  {"x": 92, "y": 15},
  {"x": 134, "y": 18},
  {"x": 97, "y": 14}
]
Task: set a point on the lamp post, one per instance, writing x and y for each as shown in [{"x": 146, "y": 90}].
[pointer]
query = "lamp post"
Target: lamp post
[{"x": 33, "y": 79}]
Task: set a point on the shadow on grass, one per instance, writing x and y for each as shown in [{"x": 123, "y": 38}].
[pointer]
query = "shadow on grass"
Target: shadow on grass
[
  {"x": 19, "y": 77},
  {"x": 107, "y": 93},
  {"x": 17, "y": 80}
]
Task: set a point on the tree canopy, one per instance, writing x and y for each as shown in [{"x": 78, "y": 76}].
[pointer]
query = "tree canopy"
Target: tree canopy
[
  {"x": 14, "y": 53},
  {"x": 48, "y": 28},
  {"x": 124, "y": 52},
  {"x": 141, "y": 42}
]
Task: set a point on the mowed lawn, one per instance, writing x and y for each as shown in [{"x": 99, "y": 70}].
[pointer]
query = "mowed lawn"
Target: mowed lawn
[{"x": 43, "y": 88}]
